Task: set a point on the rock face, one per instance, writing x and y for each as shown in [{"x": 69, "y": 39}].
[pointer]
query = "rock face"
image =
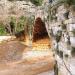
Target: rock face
[
  {"x": 21, "y": 35},
  {"x": 39, "y": 31},
  {"x": 13, "y": 8},
  {"x": 66, "y": 46}
]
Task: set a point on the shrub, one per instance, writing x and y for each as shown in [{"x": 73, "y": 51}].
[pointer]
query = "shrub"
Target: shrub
[
  {"x": 2, "y": 30},
  {"x": 58, "y": 36},
  {"x": 37, "y": 2},
  {"x": 64, "y": 26},
  {"x": 12, "y": 24},
  {"x": 66, "y": 15},
  {"x": 21, "y": 24}
]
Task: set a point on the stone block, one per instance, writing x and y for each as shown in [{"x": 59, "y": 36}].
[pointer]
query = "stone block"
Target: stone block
[
  {"x": 71, "y": 14},
  {"x": 61, "y": 9},
  {"x": 56, "y": 24},
  {"x": 72, "y": 40},
  {"x": 60, "y": 13},
  {"x": 70, "y": 27},
  {"x": 71, "y": 34}
]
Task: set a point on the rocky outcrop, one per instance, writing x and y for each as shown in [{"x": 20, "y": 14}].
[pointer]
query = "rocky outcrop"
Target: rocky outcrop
[
  {"x": 14, "y": 8},
  {"x": 21, "y": 35},
  {"x": 63, "y": 29}
]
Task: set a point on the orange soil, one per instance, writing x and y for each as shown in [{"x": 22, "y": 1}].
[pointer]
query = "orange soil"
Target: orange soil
[{"x": 43, "y": 44}]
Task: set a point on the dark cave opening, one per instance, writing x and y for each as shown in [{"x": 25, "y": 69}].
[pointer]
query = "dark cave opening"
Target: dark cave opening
[{"x": 39, "y": 31}]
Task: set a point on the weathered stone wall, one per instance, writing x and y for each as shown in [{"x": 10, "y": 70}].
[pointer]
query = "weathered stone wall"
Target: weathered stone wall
[{"x": 66, "y": 24}]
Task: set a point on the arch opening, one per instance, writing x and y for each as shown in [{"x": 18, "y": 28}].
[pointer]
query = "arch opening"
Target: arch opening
[
  {"x": 39, "y": 31},
  {"x": 41, "y": 39}
]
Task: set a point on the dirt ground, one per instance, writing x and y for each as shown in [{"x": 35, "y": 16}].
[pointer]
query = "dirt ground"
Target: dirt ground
[
  {"x": 11, "y": 51},
  {"x": 28, "y": 66},
  {"x": 17, "y": 59}
]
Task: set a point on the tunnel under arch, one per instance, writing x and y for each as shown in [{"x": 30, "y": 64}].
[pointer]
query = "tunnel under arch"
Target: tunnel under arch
[{"x": 39, "y": 31}]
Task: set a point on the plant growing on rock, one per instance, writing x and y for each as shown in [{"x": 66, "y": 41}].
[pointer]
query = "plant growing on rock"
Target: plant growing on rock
[
  {"x": 63, "y": 26},
  {"x": 66, "y": 15},
  {"x": 58, "y": 36},
  {"x": 52, "y": 13},
  {"x": 73, "y": 32},
  {"x": 10, "y": 25},
  {"x": 37, "y": 2},
  {"x": 73, "y": 51},
  {"x": 69, "y": 2}
]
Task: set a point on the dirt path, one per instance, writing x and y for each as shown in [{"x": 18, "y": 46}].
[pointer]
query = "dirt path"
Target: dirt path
[
  {"x": 19, "y": 60},
  {"x": 30, "y": 65}
]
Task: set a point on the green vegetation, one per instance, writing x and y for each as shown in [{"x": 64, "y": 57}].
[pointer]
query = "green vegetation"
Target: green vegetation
[
  {"x": 69, "y": 2},
  {"x": 21, "y": 24},
  {"x": 2, "y": 30},
  {"x": 31, "y": 19},
  {"x": 64, "y": 26},
  {"x": 52, "y": 13},
  {"x": 66, "y": 15},
  {"x": 37, "y": 2},
  {"x": 17, "y": 25},
  {"x": 12, "y": 24},
  {"x": 10, "y": 0},
  {"x": 66, "y": 2},
  {"x": 73, "y": 32},
  {"x": 30, "y": 23},
  {"x": 53, "y": 8},
  {"x": 58, "y": 36}
]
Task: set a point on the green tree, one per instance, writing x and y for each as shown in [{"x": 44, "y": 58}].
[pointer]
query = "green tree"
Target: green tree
[
  {"x": 21, "y": 24},
  {"x": 2, "y": 30},
  {"x": 37, "y": 2},
  {"x": 12, "y": 25},
  {"x": 29, "y": 24}
]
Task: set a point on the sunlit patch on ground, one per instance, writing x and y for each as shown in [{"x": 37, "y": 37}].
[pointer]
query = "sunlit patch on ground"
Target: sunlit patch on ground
[{"x": 43, "y": 44}]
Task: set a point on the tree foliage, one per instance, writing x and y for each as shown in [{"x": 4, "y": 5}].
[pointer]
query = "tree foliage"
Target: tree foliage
[
  {"x": 37, "y": 2},
  {"x": 21, "y": 24},
  {"x": 69, "y": 2},
  {"x": 2, "y": 30}
]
